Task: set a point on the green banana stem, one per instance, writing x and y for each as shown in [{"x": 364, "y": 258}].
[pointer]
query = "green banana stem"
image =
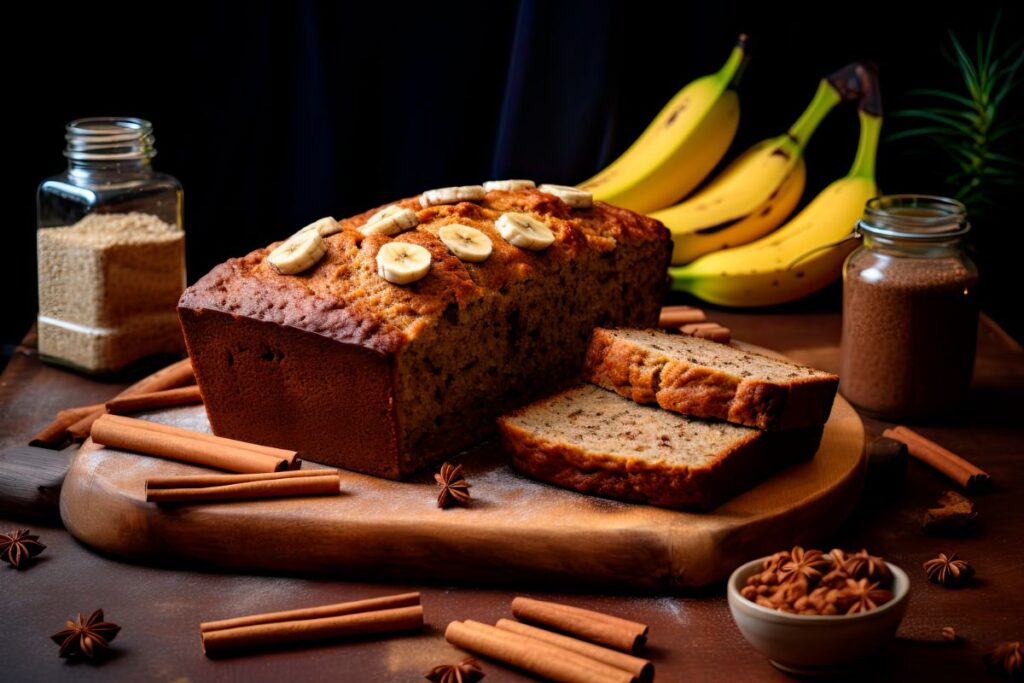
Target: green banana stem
[
  {"x": 824, "y": 100},
  {"x": 867, "y": 147},
  {"x": 733, "y": 68}
]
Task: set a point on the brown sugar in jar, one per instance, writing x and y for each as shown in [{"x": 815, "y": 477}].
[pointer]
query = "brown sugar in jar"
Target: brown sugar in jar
[{"x": 910, "y": 309}]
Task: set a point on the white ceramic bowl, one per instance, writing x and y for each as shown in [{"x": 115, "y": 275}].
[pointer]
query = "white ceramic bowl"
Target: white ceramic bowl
[{"x": 813, "y": 644}]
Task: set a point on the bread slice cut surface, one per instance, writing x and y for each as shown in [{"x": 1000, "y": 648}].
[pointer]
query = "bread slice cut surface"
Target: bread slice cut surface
[{"x": 595, "y": 441}]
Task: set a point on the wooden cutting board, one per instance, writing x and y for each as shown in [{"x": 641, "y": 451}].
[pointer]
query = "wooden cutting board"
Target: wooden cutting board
[{"x": 516, "y": 531}]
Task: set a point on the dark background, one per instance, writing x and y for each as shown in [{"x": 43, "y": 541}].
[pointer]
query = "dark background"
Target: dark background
[{"x": 274, "y": 114}]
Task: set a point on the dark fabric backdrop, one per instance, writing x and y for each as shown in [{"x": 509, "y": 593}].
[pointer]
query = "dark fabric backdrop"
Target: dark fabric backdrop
[{"x": 273, "y": 114}]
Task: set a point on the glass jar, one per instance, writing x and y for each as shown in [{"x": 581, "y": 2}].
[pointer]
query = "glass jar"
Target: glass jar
[
  {"x": 910, "y": 309},
  {"x": 111, "y": 250}
]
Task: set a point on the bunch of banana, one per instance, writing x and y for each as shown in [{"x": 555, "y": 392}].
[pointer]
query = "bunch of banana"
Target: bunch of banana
[
  {"x": 683, "y": 143},
  {"x": 795, "y": 260},
  {"x": 758, "y": 190}
]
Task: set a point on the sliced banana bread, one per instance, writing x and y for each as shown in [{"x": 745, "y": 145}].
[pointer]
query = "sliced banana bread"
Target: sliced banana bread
[
  {"x": 701, "y": 378},
  {"x": 356, "y": 371},
  {"x": 595, "y": 441}
]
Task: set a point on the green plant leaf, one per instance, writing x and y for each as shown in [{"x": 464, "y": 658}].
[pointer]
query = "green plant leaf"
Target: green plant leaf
[
  {"x": 918, "y": 132},
  {"x": 933, "y": 92},
  {"x": 937, "y": 117},
  {"x": 967, "y": 70},
  {"x": 979, "y": 140},
  {"x": 995, "y": 156}
]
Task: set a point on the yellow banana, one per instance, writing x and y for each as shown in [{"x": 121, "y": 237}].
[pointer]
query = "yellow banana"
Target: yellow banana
[
  {"x": 679, "y": 147},
  {"x": 755, "y": 193},
  {"x": 759, "y": 273}
]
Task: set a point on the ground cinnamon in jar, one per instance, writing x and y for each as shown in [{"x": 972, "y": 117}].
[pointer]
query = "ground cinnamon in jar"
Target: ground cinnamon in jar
[{"x": 910, "y": 309}]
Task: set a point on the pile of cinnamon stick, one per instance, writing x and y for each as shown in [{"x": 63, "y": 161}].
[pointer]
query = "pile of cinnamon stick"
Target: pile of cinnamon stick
[
  {"x": 175, "y": 385},
  {"x": 262, "y": 471},
  {"x": 566, "y": 643}
]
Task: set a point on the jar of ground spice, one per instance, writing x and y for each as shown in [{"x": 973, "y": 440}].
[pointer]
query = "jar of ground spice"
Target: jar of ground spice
[
  {"x": 910, "y": 309},
  {"x": 111, "y": 250}
]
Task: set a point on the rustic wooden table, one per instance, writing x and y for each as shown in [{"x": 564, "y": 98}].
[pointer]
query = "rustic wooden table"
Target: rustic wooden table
[{"x": 693, "y": 636}]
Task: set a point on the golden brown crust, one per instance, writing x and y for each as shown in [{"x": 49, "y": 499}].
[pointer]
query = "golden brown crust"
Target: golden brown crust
[
  {"x": 749, "y": 460},
  {"x": 343, "y": 298},
  {"x": 689, "y": 388}
]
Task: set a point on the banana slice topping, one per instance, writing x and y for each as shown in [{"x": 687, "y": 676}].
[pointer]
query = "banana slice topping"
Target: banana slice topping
[
  {"x": 452, "y": 195},
  {"x": 573, "y": 196},
  {"x": 390, "y": 220},
  {"x": 469, "y": 244},
  {"x": 524, "y": 231},
  {"x": 324, "y": 226},
  {"x": 299, "y": 252},
  {"x": 509, "y": 185},
  {"x": 402, "y": 263}
]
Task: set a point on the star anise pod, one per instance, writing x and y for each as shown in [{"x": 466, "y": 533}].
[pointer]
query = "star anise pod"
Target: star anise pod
[
  {"x": 861, "y": 596},
  {"x": 466, "y": 671},
  {"x": 948, "y": 570},
  {"x": 454, "y": 487},
  {"x": 86, "y": 637},
  {"x": 1008, "y": 658},
  {"x": 773, "y": 562},
  {"x": 18, "y": 547},
  {"x": 864, "y": 565},
  {"x": 803, "y": 566}
]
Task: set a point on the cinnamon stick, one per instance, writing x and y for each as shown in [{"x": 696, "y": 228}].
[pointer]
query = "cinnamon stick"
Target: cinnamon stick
[
  {"x": 319, "y": 612},
  {"x": 695, "y": 327},
  {"x": 677, "y": 316},
  {"x": 79, "y": 431},
  {"x": 597, "y": 627},
  {"x": 535, "y": 656},
  {"x": 290, "y": 456},
  {"x": 329, "y": 484},
  {"x": 55, "y": 435},
  {"x": 396, "y": 620},
  {"x": 712, "y": 331},
  {"x": 174, "y": 375},
  {"x": 153, "y": 400},
  {"x": 966, "y": 474},
  {"x": 180, "y": 444},
  {"x": 642, "y": 669},
  {"x": 199, "y": 480}
]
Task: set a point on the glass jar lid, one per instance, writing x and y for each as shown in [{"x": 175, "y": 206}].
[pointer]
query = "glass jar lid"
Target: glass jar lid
[
  {"x": 109, "y": 138},
  {"x": 914, "y": 216}
]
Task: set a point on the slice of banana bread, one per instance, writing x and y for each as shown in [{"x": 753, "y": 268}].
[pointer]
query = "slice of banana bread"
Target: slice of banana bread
[
  {"x": 355, "y": 371},
  {"x": 595, "y": 441},
  {"x": 702, "y": 378}
]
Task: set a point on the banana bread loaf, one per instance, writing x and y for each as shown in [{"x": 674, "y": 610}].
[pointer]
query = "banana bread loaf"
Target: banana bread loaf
[
  {"x": 595, "y": 441},
  {"x": 355, "y": 371},
  {"x": 699, "y": 377}
]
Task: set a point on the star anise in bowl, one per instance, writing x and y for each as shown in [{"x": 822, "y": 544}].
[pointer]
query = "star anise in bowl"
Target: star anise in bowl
[
  {"x": 808, "y": 582},
  {"x": 87, "y": 637},
  {"x": 803, "y": 566},
  {"x": 862, "y": 596},
  {"x": 864, "y": 565},
  {"x": 19, "y": 547},
  {"x": 828, "y": 626}
]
